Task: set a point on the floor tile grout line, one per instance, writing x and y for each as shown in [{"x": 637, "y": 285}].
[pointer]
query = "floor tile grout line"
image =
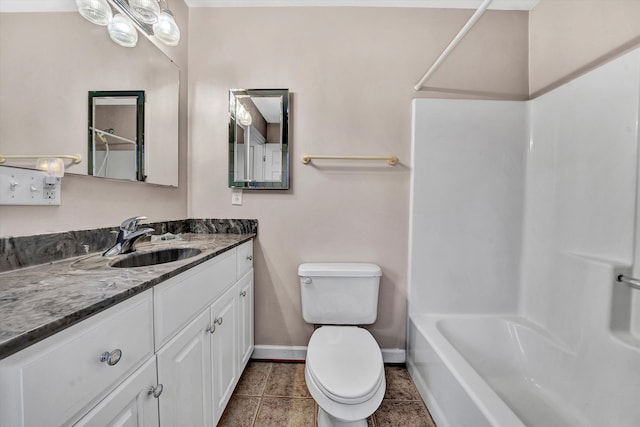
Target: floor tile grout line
[
  {"x": 266, "y": 381},
  {"x": 267, "y": 396},
  {"x": 288, "y": 397},
  {"x": 255, "y": 416},
  {"x": 264, "y": 387}
]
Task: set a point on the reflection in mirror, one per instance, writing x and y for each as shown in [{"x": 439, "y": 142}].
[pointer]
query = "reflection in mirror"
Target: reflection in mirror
[
  {"x": 116, "y": 134},
  {"x": 258, "y": 138},
  {"x": 45, "y": 79}
]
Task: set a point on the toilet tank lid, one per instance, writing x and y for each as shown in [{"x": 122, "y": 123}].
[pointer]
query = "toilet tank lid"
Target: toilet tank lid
[{"x": 339, "y": 269}]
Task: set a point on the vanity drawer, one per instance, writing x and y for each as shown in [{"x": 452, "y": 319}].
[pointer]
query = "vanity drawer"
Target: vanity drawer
[
  {"x": 178, "y": 300},
  {"x": 57, "y": 380},
  {"x": 244, "y": 259}
]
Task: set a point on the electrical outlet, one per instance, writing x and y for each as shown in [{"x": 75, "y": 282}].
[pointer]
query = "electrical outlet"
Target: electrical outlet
[
  {"x": 49, "y": 194},
  {"x": 50, "y": 187},
  {"x": 236, "y": 196}
]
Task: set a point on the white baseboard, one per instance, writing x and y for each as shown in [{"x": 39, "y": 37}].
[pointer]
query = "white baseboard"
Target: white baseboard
[
  {"x": 393, "y": 355},
  {"x": 279, "y": 352},
  {"x": 299, "y": 352}
]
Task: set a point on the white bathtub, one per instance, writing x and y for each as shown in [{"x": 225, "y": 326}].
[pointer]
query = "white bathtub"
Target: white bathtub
[{"x": 475, "y": 371}]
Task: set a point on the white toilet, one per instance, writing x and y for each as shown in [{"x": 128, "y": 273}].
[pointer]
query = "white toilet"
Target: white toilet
[{"x": 344, "y": 369}]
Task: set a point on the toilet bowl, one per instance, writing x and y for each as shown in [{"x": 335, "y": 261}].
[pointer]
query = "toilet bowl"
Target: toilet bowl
[
  {"x": 344, "y": 368},
  {"x": 345, "y": 375}
]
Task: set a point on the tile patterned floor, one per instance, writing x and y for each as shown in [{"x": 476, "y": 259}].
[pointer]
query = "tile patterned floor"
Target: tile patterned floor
[{"x": 273, "y": 394}]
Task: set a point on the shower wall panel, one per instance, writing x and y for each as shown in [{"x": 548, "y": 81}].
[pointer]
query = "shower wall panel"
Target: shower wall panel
[{"x": 467, "y": 203}]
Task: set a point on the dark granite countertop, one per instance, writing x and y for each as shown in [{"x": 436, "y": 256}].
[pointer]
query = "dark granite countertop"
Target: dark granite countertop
[{"x": 36, "y": 302}]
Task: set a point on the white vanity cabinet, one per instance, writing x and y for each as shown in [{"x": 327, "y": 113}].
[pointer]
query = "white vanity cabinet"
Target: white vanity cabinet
[
  {"x": 171, "y": 356},
  {"x": 200, "y": 365},
  {"x": 57, "y": 380}
]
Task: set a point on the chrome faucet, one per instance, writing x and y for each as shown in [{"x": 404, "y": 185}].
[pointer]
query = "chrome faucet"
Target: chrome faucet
[{"x": 127, "y": 236}]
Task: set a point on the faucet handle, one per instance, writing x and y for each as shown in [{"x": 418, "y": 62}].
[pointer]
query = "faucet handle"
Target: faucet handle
[{"x": 130, "y": 224}]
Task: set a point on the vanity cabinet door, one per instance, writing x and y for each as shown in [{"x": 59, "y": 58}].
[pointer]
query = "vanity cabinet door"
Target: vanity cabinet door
[
  {"x": 184, "y": 370},
  {"x": 224, "y": 359},
  {"x": 130, "y": 404},
  {"x": 245, "y": 318},
  {"x": 244, "y": 259}
]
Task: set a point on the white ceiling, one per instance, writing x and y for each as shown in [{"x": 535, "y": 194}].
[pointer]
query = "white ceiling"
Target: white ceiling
[
  {"x": 269, "y": 107},
  {"x": 70, "y": 5}
]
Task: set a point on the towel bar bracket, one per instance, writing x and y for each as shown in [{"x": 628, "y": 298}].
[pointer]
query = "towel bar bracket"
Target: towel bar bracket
[{"x": 634, "y": 283}]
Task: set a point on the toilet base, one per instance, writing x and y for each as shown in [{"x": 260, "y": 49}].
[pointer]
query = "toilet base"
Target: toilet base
[{"x": 326, "y": 420}]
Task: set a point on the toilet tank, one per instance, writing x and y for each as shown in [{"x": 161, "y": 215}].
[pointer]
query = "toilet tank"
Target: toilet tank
[{"x": 339, "y": 293}]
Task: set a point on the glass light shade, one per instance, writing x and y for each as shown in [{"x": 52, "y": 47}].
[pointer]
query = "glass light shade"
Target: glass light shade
[
  {"x": 146, "y": 11},
  {"x": 95, "y": 11},
  {"x": 243, "y": 115},
  {"x": 52, "y": 166},
  {"x": 166, "y": 29},
  {"x": 122, "y": 31}
]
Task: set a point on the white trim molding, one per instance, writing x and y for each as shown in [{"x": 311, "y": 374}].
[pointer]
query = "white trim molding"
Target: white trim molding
[
  {"x": 283, "y": 352},
  {"x": 279, "y": 352},
  {"x": 433, "y": 4},
  {"x": 15, "y": 6}
]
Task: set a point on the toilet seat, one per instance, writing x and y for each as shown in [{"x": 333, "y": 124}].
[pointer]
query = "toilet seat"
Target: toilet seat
[{"x": 345, "y": 363}]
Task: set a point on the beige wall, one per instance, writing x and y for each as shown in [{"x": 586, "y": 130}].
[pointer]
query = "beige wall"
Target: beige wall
[
  {"x": 89, "y": 202},
  {"x": 351, "y": 72},
  {"x": 571, "y": 37}
]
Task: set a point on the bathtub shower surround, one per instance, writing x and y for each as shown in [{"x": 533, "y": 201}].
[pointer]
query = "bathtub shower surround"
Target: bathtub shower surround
[{"x": 515, "y": 314}]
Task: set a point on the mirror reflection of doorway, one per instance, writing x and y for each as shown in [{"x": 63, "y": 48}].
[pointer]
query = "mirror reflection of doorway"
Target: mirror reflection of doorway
[{"x": 116, "y": 134}]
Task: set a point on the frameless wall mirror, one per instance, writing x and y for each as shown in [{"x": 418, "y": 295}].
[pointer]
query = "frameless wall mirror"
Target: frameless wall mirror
[
  {"x": 45, "y": 79},
  {"x": 259, "y": 138},
  {"x": 116, "y": 134}
]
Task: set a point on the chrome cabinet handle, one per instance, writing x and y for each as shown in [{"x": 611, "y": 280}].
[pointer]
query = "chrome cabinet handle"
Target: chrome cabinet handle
[
  {"x": 156, "y": 391},
  {"x": 111, "y": 357},
  {"x": 243, "y": 293},
  {"x": 218, "y": 321},
  {"x": 249, "y": 258}
]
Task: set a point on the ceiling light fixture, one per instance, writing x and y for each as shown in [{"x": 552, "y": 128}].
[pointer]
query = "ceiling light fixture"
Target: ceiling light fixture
[
  {"x": 243, "y": 115},
  {"x": 95, "y": 11},
  {"x": 146, "y": 11},
  {"x": 122, "y": 31},
  {"x": 147, "y": 15},
  {"x": 53, "y": 166},
  {"x": 166, "y": 28}
]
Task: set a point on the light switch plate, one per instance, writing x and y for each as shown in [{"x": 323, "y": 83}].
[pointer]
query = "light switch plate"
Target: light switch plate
[
  {"x": 20, "y": 186},
  {"x": 236, "y": 196}
]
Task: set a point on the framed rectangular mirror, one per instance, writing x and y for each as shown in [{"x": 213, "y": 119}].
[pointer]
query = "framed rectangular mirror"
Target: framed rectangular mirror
[
  {"x": 259, "y": 139},
  {"x": 45, "y": 79},
  {"x": 116, "y": 134}
]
